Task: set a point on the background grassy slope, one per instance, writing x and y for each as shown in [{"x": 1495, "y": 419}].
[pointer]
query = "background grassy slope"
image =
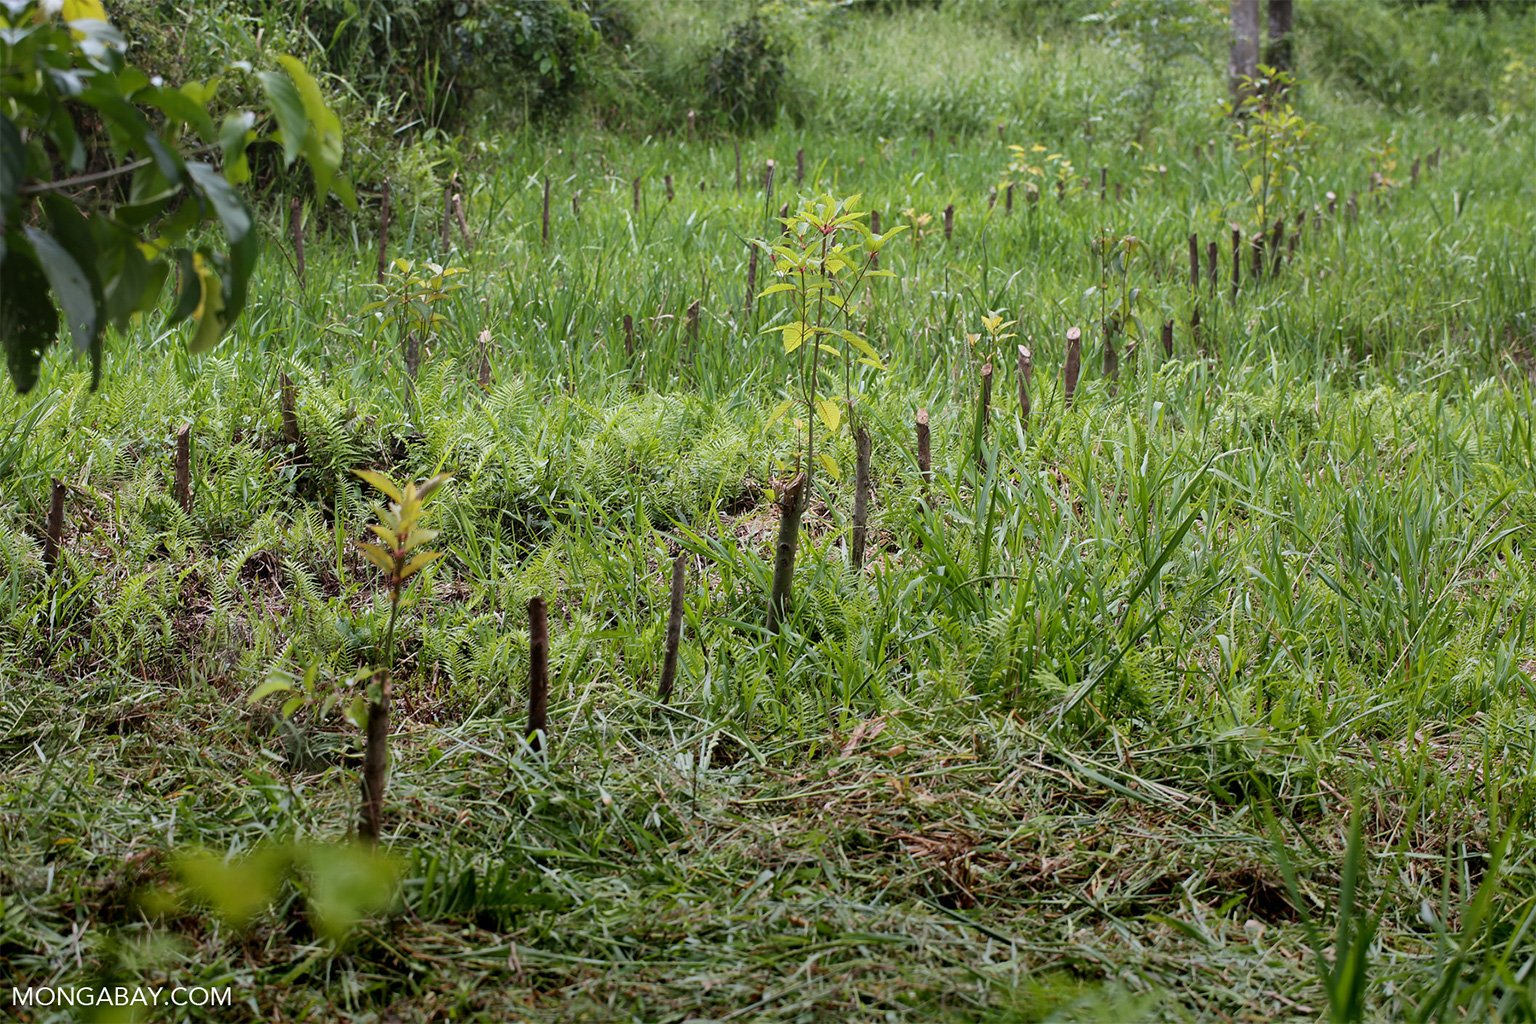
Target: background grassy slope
[{"x": 1295, "y": 575}]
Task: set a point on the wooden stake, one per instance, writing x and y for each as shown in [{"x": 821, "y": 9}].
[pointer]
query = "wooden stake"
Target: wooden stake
[
  {"x": 576, "y": 203},
  {"x": 53, "y": 531},
  {"x": 674, "y": 629},
  {"x": 1194, "y": 263},
  {"x": 545, "y": 234},
  {"x": 1008, "y": 199},
  {"x": 1168, "y": 339},
  {"x": 1026, "y": 372},
  {"x": 949, "y": 221},
  {"x": 667, "y": 182},
  {"x": 287, "y": 397},
  {"x": 860, "y": 497},
  {"x": 538, "y": 673},
  {"x": 983, "y": 414},
  {"x": 296, "y": 230},
  {"x": 384, "y": 211},
  {"x": 691, "y": 321},
  {"x": 992, "y": 198},
  {"x": 629, "y": 337},
  {"x": 183, "y": 477},
  {"x": 1074, "y": 363},
  {"x": 924, "y": 452},
  {"x": 485, "y": 360}
]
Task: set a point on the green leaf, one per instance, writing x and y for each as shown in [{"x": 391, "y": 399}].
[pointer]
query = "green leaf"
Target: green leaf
[
  {"x": 274, "y": 684},
  {"x": 322, "y": 143},
  {"x": 288, "y": 111},
  {"x": 829, "y": 413},
  {"x": 380, "y": 482},
  {"x": 72, "y": 288},
  {"x": 28, "y": 321}
]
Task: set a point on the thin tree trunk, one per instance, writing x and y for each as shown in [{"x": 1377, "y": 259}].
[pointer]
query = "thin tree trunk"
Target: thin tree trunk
[
  {"x": 1244, "y": 59},
  {"x": 375, "y": 762},
  {"x": 1277, "y": 52}
]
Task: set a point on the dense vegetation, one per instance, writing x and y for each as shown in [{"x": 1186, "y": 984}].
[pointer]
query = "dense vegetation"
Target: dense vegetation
[{"x": 1206, "y": 693}]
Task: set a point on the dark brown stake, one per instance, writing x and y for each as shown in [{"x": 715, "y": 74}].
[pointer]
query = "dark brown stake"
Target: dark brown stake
[
  {"x": 463, "y": 222},
  {"x": 576, "y": 203},
  {"x": 799, "y": 167},
  {"x": 1008, "y": 199},
  {"x": 183, "y": 481},
  {"x": 1168, "y": 339},
  {"x": 1237, "y": 260},
  {"x": 949, "y": 221},
  {"x": 791, "y": 508},
  {"x": 53, "y": 534},
  {"x": 691, "y": 321},
  {"x": 674, "y": 629},
  {"x": 384, "y": 211},
  {"x": 1074, "y": 363},
  {"x": 636, "y": 190},
  {"x": 1194, "y": 263},
  {"x": 485, "y": 360},
  {"x": 545, "y": 234},
  {"x": 992, "y": 198},
  {"x": 667, "y": 181},
  {"x": 538, "y": 673},
  {"x": 983, "y": 414},
  {"x": 1026, "y": 373},
  {"x": 629, "y": 337},
  {"x": 860, "y": 496},
  {"x": 1212, "y": 258},
  {"x": 375, "y": 762},
  {"x": 287, "y": 398},
  {"x": 924, "y": 451},
  {"x": 296, "y": 230}
]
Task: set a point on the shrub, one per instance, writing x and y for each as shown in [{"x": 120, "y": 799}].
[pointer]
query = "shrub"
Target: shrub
[{"x": 747, "y": 73}]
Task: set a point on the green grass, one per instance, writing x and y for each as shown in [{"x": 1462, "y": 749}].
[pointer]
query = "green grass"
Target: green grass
[{"x": 1085, "y": 741}]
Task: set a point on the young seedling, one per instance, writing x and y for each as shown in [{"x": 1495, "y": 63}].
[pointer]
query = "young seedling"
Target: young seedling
[
  {"x": 823, "y": 260},
  {"x": 401, "y": 555}
]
